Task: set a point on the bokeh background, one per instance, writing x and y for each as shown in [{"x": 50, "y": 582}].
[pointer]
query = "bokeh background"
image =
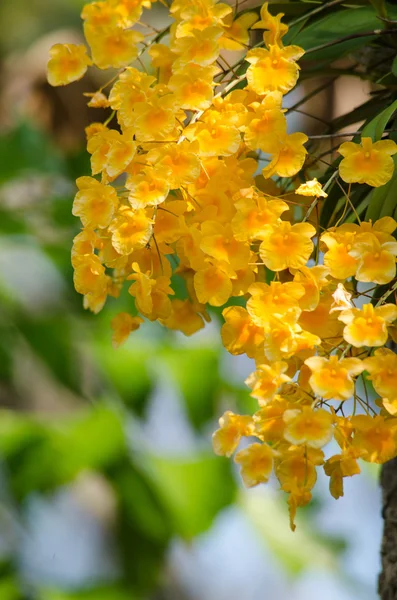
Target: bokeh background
[{"x": 109, "y": 489}]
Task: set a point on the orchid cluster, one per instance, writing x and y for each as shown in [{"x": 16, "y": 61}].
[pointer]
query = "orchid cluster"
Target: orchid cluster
[{"x": 177, "y": 194}]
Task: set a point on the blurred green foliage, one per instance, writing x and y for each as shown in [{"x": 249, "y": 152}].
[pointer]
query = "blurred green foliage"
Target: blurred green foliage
[
  {"x": 157, "y": 497},
  {"x": 93, "y": 399},
  {"x": 23, "y": 22}
]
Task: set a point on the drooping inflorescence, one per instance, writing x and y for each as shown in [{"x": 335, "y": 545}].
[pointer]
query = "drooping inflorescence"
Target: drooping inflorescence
[{"x": 178, "y": 192}]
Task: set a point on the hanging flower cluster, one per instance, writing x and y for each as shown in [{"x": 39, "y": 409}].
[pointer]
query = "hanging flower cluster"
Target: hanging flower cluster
[{"x": 176, "y": 197}]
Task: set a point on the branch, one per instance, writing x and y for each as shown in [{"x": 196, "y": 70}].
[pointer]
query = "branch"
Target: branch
[
  {"x": 353, "y": 36},
  {"x": 385, "y": 296},
  {"x": 315, "y": 11},
  {"x": 311, "y": 94},
  {"x": 340, "y": 134}
]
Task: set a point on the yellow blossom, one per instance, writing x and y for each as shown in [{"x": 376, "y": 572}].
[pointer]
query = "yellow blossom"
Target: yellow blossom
[
  {"x": 289, "y": 157},
  {"x": 322, "y": 322},
  {"x": 218, "y": 241},
  {"x": 253, "y": 213},
  {"x": 382, "y": 369},
  {"x": 376, "y": 437},
  {"x": 311, "y": 188},
  {"x": 256, "y": 463},
  {"x": 89, "y": 276},
  {"x": 85, "y": 242},
  {"x": 308, "y": 426},
  {"x": 239, "y": 333},
  {"x": 130, "y": 230},
  {"x": 192, "y": 86},
  {"x": 275, "y": 29},
  {"x": 151, "y": 295},
  {"x": 342, "y": 299},
  {"x": 333, "y": 378},
  {"x": 199, "y": 16},
  {"x": 236, "y": 34},
  {"x": 179, "y": 160},
  {"x": 369, "y": 162},
  {"x": 267, "y": 126},
  {"x": 131, "y": 88},
  {"x": 286, "y": 246},
  {"x": 155, "y": 119},
  {"x": 98, "y": 100},
  {"x": 201, "y": 48},
  {"x": 149, "y": 188},
  {"x": 232, "y": 428},
  {"x": 339, "y": 258},
  {"x": 269, "y": 420},
  {"x": 368, "y": 326},
  {"x": 266, "y": 381},
  {"x": 274, "y": 69},
  {"x": 297, "y": 497},
  {"x": 339, "y": 466},
  {"x": 123, "y": 324},
  {"x": 274, "y": 300},
  {"x": 313, "y": 280},
  {"x": 376, "y": 261},
  {"x": 297, "y": 476},
  {"x": 163, "y": 60},
  {"x": 95, "y": 203},
  {"x": 213, "y": 284},
  {"x": 111, "y": 152},
  {"x": 183, "y": 317},
  {"x": 180, "y": 206},
  {"x": 112, "y": 46},
  {"x": 214, "y": 138},
  {"x": 68, "y": 63}
]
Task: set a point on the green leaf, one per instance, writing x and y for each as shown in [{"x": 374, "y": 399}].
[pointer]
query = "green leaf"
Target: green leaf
[
  {"x": 17, "y": 432},
  {"x": 375, "y": 128},
  {"x": 383, "y": 200},
  {"x": 42, "y": 457},
  {"x": 7, "y": 348},
  {"x": 126, "y": 369},
  {"x": 289, "y": 8},
  {"x": 196, "y": 373},
  {"x": 193, "y": 490},
  {"x": 51, "y": 338},
  {"x": 380, "y": 7},
  {"x": 394, "y": 67},
  {"x": 365, "y": 111},
  {"x": 139, "y": 501},
  {"x": 27, "y": 149},
  {"x": 95, "y": 440},
  {"x": 143, "y": 526},
  {"x": 334, "y": 26},
  {"x": 330, "y": 203},
  {"x": 112, "y": 592},
  {"x": 11, "y": 224},
  {"x": 360, "y": 208},
  {"x": 9, "y": 589}
]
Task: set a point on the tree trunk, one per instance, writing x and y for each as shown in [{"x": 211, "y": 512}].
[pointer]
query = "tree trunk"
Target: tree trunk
[{"x": 388, "y": 576}]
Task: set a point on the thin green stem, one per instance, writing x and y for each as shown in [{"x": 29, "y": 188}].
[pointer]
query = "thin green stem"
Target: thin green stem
[
  {"x": 385, "y": 296},
  {"x": 347, "y": 195},
  {"x": 311, "y": 94},
  {"x": 353, "y": 36},
  {"x": 315, "y": 11},
  {"x": 337, "y": 134},
  {"x": 316, "y": 200}
]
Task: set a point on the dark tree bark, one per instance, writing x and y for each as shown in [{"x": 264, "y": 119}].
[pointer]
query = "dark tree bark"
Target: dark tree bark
[{"x": 388, "y": 576}]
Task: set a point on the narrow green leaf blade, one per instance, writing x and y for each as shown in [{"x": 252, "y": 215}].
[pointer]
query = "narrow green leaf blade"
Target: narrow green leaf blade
[{"x": 375, "y": 128}]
